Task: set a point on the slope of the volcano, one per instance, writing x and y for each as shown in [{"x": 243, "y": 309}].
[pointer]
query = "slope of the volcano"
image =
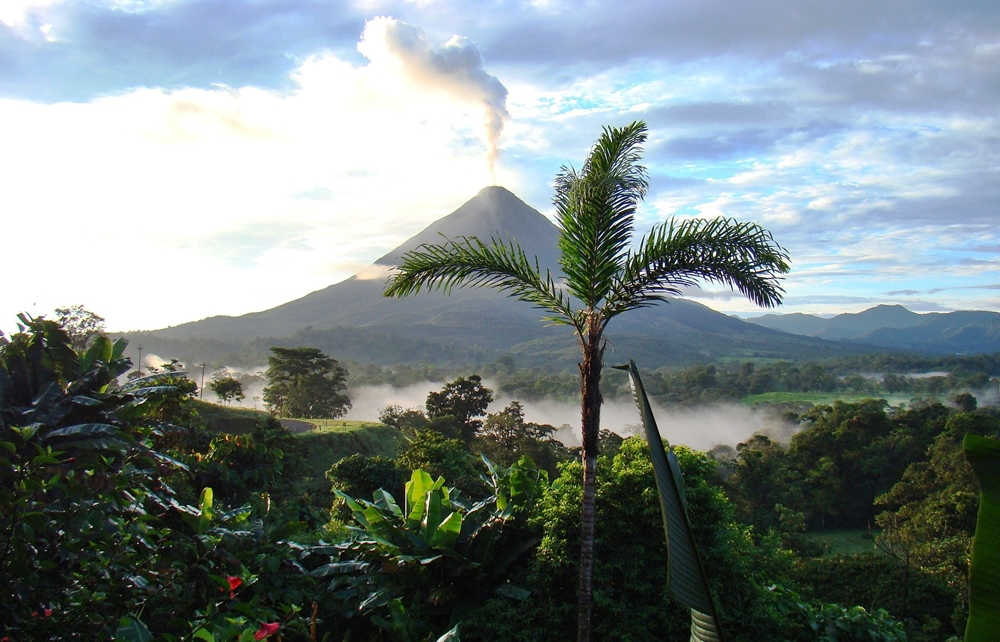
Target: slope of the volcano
[{"x": 483, "y": 321}]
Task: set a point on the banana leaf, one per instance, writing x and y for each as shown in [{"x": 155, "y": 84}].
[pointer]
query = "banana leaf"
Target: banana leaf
[
  {"x": 686, "y": 577},
  {"x": 984, "y": 574}
]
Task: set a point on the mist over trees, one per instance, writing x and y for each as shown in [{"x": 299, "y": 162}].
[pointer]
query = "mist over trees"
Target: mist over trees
[{"x": 232, "y": 503}]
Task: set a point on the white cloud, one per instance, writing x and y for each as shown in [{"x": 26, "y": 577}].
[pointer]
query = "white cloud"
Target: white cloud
[{"x": 137, "y": 182}]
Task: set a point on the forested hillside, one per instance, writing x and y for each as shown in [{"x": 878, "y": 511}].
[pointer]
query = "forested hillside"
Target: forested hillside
[{"x": 134, "y": 508}]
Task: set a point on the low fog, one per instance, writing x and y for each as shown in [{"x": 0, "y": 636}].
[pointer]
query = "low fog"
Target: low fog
[{"x": 700, "y": 428}]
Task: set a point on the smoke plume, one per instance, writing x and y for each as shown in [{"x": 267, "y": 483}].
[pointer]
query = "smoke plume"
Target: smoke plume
[{"x": 455, "y": 68}]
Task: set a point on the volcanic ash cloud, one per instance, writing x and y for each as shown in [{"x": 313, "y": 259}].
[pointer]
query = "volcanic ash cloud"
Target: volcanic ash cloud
[{"x": 454, "y": 68}]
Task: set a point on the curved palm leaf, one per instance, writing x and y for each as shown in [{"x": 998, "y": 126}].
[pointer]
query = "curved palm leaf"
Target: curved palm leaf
[
  {"x": 984, "y": 573},
  {"x": 595, "y": 209},
  {"x": 686, "y": 577},
  {"x": 471, "y": 263},
  {"x": 742, "y": 255}
]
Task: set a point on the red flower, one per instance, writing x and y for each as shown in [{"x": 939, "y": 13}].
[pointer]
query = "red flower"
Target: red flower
[
  {"x": 234, "y": 583},
  {"x": 47, "y": 612},
  {"x": 266, "y": 629}
]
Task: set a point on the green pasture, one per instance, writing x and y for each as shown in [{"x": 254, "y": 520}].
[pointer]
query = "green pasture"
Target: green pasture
[{"x": 816, "y": 398}]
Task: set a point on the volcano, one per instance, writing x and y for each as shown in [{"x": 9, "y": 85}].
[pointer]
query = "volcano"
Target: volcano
[{"x": 352, "y": 319}]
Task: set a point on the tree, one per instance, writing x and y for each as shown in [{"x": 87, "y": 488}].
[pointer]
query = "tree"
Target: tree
[
  {"x": 304, "y": 382},
  {"x": 80, "y": 324},
  {"x": 464, "y": 399},
  {"x": 604, "y": 277},
  {"x": 227, "y": 388}
]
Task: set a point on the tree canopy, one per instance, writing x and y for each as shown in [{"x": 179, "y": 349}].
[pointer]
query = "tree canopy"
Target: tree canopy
[
  {"x": 304, "y": 382},
  {"x": 227, "y": 388},
  {"x": 464, "y": 399}
]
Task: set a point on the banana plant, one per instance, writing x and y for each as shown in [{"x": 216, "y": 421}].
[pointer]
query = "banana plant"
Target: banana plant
[
  {"x": 686, "y": 578},
  {"x": 419, "y": 567},
  {"x": 984, "y": 574}
]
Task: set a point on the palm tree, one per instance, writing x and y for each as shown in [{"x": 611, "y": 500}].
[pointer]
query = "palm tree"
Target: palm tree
[{"x": 604, "y": 276}]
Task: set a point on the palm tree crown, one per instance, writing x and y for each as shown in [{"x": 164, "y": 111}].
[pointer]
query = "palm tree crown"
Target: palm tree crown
[
  {"x": 595, "y": 211},
  {"x": 604, "y": 275}
]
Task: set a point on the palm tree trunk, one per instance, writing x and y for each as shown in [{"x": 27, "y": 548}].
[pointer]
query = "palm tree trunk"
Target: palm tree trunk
[{"x": 590, "y": 393}]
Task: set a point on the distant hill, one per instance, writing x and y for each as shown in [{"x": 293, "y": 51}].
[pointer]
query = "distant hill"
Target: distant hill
[
  {"x": 352, "y": 320},
  {"x": 895, "y": 327}
]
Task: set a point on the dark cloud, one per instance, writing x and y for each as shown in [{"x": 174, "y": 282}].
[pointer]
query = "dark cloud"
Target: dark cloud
[
  {"x": 738, "y": 144},
  {"x": 593, "y": 32},
  {"x": 718, "y": 112}
]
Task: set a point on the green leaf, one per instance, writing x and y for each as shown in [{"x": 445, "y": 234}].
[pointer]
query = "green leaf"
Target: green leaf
[
  {"x": 131, "y": 629},
  {"x": 416, "y": 497},
  {"x": 686, "y": 576},
  {"x": 447, "y": 531},
  {"x": 339, "y": 568},
  {"x": 205, "y": 514},
  {"x": 82, "y": 431},
  {"x": 451, "y": 636},
  {"x": 432, "y": 514},
  {"x": 100, "y": 350},
  {"x": 984, "y": 573},
  {"x": 203, "y": 634},
  {"x": 385, "y": 500}
]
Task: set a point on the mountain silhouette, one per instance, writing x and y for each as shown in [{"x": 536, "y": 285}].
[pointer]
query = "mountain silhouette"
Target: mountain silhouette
[
  {"x": 897, "y": 328},
  {"x": 352, "y": 319}
]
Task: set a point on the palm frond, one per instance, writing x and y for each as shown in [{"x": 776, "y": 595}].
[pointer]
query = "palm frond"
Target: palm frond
[
  {"x": 686, "y": 577},
  {"x": 469, "y": 262},
  {"x": 595, "y": 208},
  {"x": 741, "y": 255}
]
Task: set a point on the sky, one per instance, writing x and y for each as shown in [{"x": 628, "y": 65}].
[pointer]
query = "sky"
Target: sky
[{"x": 167, "y": 160}]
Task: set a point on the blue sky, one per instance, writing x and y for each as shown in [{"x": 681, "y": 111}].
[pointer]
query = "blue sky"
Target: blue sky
[{"x": 168, "y": 160}]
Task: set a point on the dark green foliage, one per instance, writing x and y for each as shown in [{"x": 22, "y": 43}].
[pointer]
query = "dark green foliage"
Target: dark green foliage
[
  {"x": 227, "y": 388},
  {"x": 419, "y": 566},
  {"x": 878, "y": 581},
  {"x": 816, "y": 621},
  {"x": 506, "y": 437},
  {"x": 930, "y": 513},
  {"x": 845, "y": 455},
  {"x": 304, "y": 382},
  {"x": 984, "y": 572},
  {"x": 238, "y": 466},
  {"x": 463, "y": 400},
  {"x": 100, "y": 527},
  {"x": 630, "y": 597},
  {"x": 442, "y": 456},
  {"x": 358, "y": 475},
  {"x": 686, "y": 577}
]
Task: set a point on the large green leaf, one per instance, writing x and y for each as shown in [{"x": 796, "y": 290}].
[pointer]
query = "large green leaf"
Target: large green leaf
[
  {"x": 686, "y": 576},
  {"x": 984, "y": 575},
  {"x": 100, "y": 350},
  {"x": 415, "y": 493},
  {"x": 447, "y": 531},
  {"x": 82, "y": 431},
  {"x": 132, "y": 629}
]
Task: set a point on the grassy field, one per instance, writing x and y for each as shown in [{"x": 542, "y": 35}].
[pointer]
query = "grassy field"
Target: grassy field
[
  {"x": 818, "y": 398},
  {"x": 340, "y": 425},
  {"x": 316, "y": 450},
  {"x": 845, "y": 542},
  {"x": 333, "y": 439}
]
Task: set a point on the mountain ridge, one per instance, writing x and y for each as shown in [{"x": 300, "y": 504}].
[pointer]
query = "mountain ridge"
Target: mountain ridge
[
  {"x": 483, "y": 321},
  {"x": 962, "y": 331}
]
